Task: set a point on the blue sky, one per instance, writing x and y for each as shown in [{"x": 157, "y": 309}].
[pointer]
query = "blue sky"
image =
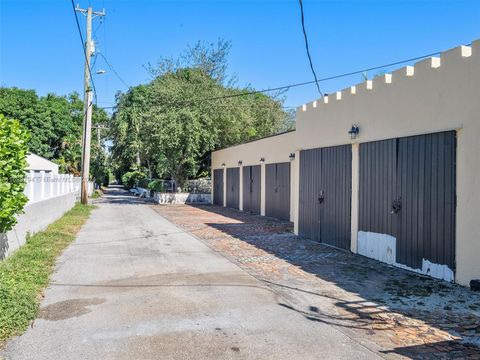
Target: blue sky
[{"x": 40, "y": 47}]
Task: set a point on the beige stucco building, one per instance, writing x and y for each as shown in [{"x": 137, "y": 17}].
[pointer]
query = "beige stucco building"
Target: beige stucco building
[{"x": 435, "y": 101}]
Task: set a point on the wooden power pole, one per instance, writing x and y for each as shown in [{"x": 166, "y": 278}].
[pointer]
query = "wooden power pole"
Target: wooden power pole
[{"x": 88, "y": 102}]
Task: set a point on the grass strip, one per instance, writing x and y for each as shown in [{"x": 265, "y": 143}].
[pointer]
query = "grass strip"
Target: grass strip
[{"x": 25, "y": 274}]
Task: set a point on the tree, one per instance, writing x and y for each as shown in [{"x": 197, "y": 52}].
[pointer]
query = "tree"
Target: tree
[
  {"x": 55, "y": 124},
  {"x": 168, "y": 127},
  {"x": 209, "y": 57},
  {"x": 13, "y": 152}
]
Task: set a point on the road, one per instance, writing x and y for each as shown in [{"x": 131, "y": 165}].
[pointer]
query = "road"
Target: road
[{"x": 135, "y": 286}]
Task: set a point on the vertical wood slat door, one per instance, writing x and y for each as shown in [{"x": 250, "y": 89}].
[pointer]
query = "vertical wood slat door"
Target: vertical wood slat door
[
  {"x": 407, "y": 190},
  {"x": 426, "y": 183},
  {"x": 233, "y": 187},
  {"x": 277, "y": 191},
  {"x": 251, "y": 188},
  {"x": 218, "y": 187},
  {"x": 325, "y": 195}
]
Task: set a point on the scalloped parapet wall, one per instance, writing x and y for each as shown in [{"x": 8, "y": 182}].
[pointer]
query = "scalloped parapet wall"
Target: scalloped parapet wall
[
  {"x": 418, "y": 70},
  {"x": 436, "y": 94}
]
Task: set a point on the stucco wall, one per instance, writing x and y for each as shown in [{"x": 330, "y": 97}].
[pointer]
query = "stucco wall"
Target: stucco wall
[
  {"x": 273, "y": 149},
  {"x": 433, "y": 95},
  {"x": 436, "y": 94},
  {"x": 37, "y": 216}
]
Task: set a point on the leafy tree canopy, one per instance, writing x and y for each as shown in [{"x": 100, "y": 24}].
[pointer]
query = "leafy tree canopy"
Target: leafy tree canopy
[
  {"x": 55, "y": 124},
  {"x": 169, "y": 128}
]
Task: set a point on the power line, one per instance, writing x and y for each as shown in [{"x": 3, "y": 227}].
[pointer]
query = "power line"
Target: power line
[
  {"x": 287, "y": 87},
  {"x": 113, "y": 69},
  {"x": 84, "y": 51},
  {"x": 308, "y": 49}
]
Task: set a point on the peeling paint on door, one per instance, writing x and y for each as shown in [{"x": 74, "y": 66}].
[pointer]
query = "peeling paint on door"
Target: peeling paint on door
[{"x": 382, "y": 247}]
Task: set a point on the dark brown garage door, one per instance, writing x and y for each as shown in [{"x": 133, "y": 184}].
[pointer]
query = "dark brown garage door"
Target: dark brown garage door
[
  {"x": 407, "y": 190},
  {"x": 218, "y": 187},
  {"x": 325, "y": 195},
  {"x": 277, "y": 191},
  {"x": 251, "y": 188},
  {"x": 233, "y": 187}
]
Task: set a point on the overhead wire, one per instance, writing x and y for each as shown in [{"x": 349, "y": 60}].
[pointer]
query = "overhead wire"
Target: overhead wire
[
  {"x": 307, "y": 48},
  {"x": 287, "y": 87},
  {"x": 113, "y": 69}
]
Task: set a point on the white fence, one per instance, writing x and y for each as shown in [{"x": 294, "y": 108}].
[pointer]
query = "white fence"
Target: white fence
[{"x": 42, "y": 186}]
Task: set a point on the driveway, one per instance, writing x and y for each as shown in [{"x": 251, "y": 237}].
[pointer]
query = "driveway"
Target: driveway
[
  {"x": 135, "y": 286},
  {"x": 401, "y": 313}
]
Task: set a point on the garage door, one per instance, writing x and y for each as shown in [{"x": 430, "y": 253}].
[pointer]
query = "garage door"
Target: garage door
[
  {"x": 233, "y": 187},
  {"x": 325, "y": 195},
  {"x": 407, "y": 202},
  {"x": 277, "y": 191},
  {"x": 251, "y": 189},
  {"x": 218, "y": 187}
]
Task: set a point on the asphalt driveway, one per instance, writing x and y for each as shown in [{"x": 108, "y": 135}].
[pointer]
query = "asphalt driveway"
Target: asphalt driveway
[{"x": 135, "y": 286}]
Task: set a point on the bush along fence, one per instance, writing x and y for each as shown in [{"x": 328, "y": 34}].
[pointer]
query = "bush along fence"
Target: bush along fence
[{"x": 49, "y": 197}]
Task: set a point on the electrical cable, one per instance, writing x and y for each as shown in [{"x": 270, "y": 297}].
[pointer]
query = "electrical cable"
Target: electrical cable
[
  {"x": 308, "y": 49},
  {"x": 287, "y": 87},
  {"x": 113, "y": 69}
]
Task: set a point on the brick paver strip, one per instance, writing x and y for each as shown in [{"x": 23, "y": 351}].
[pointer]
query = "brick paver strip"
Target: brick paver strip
[{"x": 396, "y": 310}]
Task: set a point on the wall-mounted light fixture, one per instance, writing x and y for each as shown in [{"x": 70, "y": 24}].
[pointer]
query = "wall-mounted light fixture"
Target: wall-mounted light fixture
[
  {"x": 223, "y": 164},
  {"x": 291, "y": 156},
  {"x": 240, "y": 162},
  {"x": 262, "y": 160},
  {"x": 353, "y": 132}
]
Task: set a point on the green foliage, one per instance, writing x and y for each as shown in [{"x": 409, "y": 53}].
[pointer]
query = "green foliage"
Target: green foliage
[
  {"x": 157, "y": 185},
  {"x": 159, "y": 125},
  {"x": 98, "y": 193},
  {"x": 132, "y": 179},
  {"x": 26, "y": 272},
  {"x": 99, "y": 168},
  {"x": 55, "y": 124},
  {"x": 13, "y": 152}
]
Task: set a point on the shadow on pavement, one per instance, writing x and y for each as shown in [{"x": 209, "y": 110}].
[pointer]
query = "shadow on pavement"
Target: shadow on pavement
[
  {"x": 117, "y": 195},
  {"x": 367, "y": 294}
]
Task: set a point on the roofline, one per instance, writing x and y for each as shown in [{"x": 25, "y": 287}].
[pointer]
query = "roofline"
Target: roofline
[{"x": 250, "y": 141}]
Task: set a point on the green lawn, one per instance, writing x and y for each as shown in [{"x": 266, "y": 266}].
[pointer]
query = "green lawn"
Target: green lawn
[{"x": 25, "y": 274}]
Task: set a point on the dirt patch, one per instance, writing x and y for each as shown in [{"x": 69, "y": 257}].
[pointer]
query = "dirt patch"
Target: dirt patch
[{"x": 68, "y": 309}]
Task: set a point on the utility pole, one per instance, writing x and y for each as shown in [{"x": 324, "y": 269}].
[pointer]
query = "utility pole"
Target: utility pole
[{"x": 88, "y": 96}]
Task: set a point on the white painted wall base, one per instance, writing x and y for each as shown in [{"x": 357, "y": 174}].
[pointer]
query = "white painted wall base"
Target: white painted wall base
[
  {"x": 382, "y": 247},
  {"x": 182, "y": 198}
]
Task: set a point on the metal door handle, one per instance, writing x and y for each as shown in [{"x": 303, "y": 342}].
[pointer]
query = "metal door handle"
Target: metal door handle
[
  {"x": 321, "y": 197},
  {"x": 396, "y": 205}
]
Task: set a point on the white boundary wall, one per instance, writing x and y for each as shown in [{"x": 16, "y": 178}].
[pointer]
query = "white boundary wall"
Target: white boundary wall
[
  {"x": 41, "y": 186},
  {"x": 435, "y": 94},
  {"x": 49, "y": 197}
]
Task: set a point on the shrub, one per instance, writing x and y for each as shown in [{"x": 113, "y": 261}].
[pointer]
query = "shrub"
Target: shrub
[
  {"x": 143, "y": 183},
  {"x": 13, "y": 152},
  {"x": 131, "y": 179},
  {"x": 158, "y": 186}
]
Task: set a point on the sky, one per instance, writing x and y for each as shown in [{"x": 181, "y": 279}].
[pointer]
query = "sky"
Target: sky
[{"x": 40, "y": 47}]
